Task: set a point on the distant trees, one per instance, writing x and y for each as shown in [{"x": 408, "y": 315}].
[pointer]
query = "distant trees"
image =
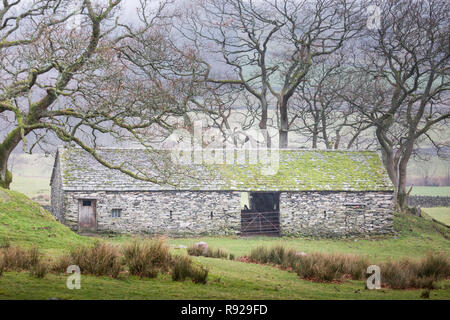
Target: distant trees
[
  {"x": 268, "y": 47},
  {"x": 318, "y": 112}
]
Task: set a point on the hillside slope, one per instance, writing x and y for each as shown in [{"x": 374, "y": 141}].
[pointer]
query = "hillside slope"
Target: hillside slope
[{"x": 24, "y": 222}]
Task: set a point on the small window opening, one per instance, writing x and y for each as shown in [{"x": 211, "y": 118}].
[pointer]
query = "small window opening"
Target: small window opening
[
  {"x": 116, "y": 213},
  {"x": 87, "y": 203}
]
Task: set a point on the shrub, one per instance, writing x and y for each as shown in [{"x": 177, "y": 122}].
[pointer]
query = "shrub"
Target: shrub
[
  {"x": 355, "y": 266},
  {"x": 102, "y": 259},
  {"x": 61, "y": 265},
  {"x": 199, "y": 274},
  {"x": 181, "y": 268},
  {"x": 415, "y": 274},
  {"x": 146, "y": 259},
  {"x": 16, "y": 258},
  {"x": 318, "y": 266},
  {"x": 34, "y": 256},
  {"x": 39, "y": 270},
  {"x": 5, "y": 243},
  {"x": 277, "y": 255},
  {"x": 195, "y": 251},
  {"x": 209, "y": 253},
  {"x": 435, "y": 266},
  {"x": 217, "y": 253},
  {"x": 397, "y": 274},
  {"x": 184, "y": 268},
  {"x": 2, "y": 265},
  {"x": 259, "y": 254},
  {"x": 425, "y": 294}
]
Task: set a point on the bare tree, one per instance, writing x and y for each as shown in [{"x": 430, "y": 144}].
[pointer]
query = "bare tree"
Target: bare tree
[
  {"x": 268, "y": 47},
  {"x": 404, "y": 83},
  {"x": 70, "y": 82},
  {"x": 318, "y": 112}
]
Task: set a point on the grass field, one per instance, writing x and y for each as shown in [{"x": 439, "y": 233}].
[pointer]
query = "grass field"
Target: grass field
[
  {"x": 431, "y": 191},
  {"x": 227, "y": 280},
  {"x": 24, "y": 223},
  {"x": 441, "y": 214}
]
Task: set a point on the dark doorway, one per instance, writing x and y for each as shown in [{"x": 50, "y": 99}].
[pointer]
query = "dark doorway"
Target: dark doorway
[{"x": 263, "y": 216}]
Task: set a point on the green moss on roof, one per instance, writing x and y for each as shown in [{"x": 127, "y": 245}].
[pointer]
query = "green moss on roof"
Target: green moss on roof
[
  {"x": 298, "y": 170},
  {"x": 313, "y": 170}
]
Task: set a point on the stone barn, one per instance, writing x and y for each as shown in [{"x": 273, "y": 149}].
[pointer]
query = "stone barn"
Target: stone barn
[{"x": 312, "y": 193}]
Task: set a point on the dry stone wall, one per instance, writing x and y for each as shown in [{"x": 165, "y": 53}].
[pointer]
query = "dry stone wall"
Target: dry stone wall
[
  {"x": 181, "y": 213},
  {"x": 336, "y": 214}
]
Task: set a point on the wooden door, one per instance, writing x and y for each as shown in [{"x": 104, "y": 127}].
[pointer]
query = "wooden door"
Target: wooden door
[{"x": 86, "y": 215}]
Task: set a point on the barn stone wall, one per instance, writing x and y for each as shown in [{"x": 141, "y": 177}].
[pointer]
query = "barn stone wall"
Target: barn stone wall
[
  {"x": 162, "y": 212},
  {"x": 336, "y": 214},
  {"x": 57, "y": 194},
  {"x": 318, "y": 214}
]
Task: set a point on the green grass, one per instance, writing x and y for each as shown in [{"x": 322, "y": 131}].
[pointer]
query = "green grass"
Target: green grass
[
  {"x": 441, "y": 214},
  {"x": 25, "y": 223},
  {"x": 431, "y": 191},
  {"x": 227, "y": 280},
  {"x": 415, "y": 238}
]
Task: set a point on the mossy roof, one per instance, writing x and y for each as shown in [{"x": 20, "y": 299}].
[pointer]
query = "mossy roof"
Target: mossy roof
[{"x": 293, "y": 170}]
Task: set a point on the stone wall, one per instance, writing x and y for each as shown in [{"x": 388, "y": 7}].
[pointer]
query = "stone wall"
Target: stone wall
[
  {"x": 162, "y": 212},
  {"x": 428, "y": 201},
  {"x": 336, "y": 214},
  {"x": 319, "y": 214},
  {"x": 57, "y": 194}
]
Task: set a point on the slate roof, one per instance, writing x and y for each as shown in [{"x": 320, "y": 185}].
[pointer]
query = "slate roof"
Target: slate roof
[{"x": 298, "y": 170}]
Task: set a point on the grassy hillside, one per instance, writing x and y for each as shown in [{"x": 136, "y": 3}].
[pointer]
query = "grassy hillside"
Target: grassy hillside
[{"x": 25, "y": 223}]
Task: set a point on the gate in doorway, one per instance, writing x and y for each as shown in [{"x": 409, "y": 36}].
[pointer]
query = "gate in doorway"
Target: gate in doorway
[{"x": 262, "y": 217}]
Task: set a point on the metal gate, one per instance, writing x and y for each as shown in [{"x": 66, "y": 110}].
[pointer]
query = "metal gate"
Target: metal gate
[{"x": 260, "y": 223}]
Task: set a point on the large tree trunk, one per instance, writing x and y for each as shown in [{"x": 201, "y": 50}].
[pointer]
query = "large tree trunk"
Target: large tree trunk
[
  {"x": 263, "y": 122},
  {"x": 6, "y": 147},
  {"x": 5, "y": 175},
  {"x": 402, "y": 196},
  {"x": 284, "y": 125},
  {"x": 314, "y": 138}
]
